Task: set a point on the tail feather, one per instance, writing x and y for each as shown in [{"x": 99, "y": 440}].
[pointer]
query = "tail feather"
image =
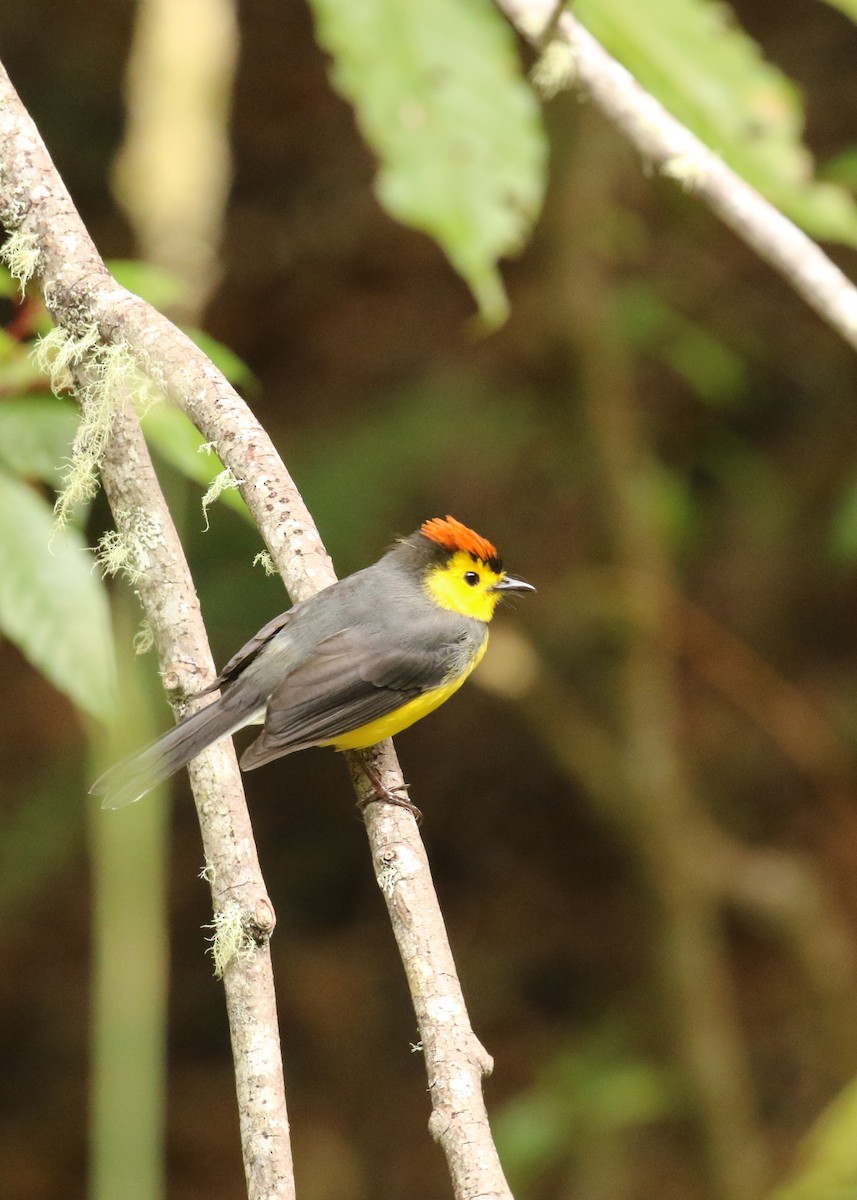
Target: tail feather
[{"x": 133, "y": 777}]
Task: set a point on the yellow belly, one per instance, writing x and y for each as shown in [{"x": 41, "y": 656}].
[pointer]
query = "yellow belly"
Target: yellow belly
[{"x": 414, "y": 710}]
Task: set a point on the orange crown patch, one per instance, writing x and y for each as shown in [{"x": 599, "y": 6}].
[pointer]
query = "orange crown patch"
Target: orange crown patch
[{"x": 452, "y": 535}]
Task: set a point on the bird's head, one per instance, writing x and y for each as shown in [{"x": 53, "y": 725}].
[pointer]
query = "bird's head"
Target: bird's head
[{"x": 462, "y": 571}]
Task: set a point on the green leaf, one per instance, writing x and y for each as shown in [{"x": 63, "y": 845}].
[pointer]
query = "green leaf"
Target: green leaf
[
  {"x": 53, "y": 605},
  {"x": 843, "y": 539},
  {"x": 226, "y": 360},
  {"x": 153, "y": 284},
  {"x": 849, "y": 7},
  {"x": 18, "y": 371},
  {"x": 589, "y": 1094},
  {"x": 828, "y": 1158},
  {"x": 440, "y": 99},
  {"x": 710, "y": 74},
  {"x": 842, "y": 168},
  {"x": 649, "y": 324},
  {"x": 36, "y": 436}
]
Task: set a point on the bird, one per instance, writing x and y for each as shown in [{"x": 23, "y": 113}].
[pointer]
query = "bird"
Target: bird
[{"x": 353, "y": 664}]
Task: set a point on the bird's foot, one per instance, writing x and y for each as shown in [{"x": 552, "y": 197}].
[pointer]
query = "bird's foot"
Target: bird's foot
[{"x": 388, "y": 795}]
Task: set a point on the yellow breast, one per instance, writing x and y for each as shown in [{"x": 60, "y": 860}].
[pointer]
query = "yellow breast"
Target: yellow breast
[{"x": 408, "y": 714}]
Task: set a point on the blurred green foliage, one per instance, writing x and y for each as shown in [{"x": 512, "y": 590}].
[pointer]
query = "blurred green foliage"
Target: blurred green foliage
[
  {"x": 439, "y": 97},
  {"x": 573, "y": 1118},
  {"x": 386, "y": 456},
  {"x": 827, "y": 1158},
  {"x": 52, "y": 605},
  {"x": 714, "y": 372},
  {"x": 36, "y": 433}
]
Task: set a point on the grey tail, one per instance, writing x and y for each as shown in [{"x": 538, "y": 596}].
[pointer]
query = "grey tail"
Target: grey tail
[{"x": 133, "y": 777}]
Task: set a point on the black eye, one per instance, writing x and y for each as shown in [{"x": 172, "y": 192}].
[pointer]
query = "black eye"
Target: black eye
[{"x": 471, "y": 577}]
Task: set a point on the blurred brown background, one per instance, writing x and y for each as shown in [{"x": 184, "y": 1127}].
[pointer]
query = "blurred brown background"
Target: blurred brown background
[{"x": 642, "y": 824}]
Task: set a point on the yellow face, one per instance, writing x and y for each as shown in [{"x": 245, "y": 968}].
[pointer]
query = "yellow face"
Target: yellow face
[{"x": 464, "y": 585}]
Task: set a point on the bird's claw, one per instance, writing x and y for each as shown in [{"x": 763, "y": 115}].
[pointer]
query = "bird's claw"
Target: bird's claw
[{"x": 388, "y": 795}]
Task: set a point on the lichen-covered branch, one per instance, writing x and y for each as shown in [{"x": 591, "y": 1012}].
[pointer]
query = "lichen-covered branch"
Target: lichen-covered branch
[
  {"x": 166, "y": 592},
  {"x": 668, "y": 145},
  {"x": 49, "y": 241}
]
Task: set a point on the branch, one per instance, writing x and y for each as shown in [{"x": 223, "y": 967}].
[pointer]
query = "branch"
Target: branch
[
  {"x": 52, "y": 242},
  {"x": 169, "y": 601},
  {"x": 666, "y": 143}
]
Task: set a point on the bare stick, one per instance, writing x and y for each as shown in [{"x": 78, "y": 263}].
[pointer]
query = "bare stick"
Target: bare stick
[
  {"x": 82, "y": 295},
  {"x": 666, "y": 143},
  {"x": 232, "y": 867}
]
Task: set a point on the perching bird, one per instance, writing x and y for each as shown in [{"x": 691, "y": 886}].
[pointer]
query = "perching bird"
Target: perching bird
[{"x": 352, "y": 665}]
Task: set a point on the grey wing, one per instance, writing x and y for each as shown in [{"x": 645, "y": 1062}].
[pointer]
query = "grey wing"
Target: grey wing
[
  {"x": 248, "y": 652},
  {"x": 349, "y": 680}
]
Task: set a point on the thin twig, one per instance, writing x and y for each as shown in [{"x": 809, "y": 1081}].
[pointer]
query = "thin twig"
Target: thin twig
[
  {"x": 82, "y": 295},
  {"x": 665, "y": 143}
]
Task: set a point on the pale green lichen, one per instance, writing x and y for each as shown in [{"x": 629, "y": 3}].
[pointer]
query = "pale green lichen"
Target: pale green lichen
[
  {"x": 555, "y": 70},
  {"x": 145, "y": 530},
  {"x": 147, "y": 394},
  {"x": 119, "y": 375},
  {"x": 217, "y": 487},
  {"x": 208, "y": 874},
  {"x": 231, "y": 940},
  {"x": 58, "y": 352},
  {"x": 126, "y": 548},
  {"x": 144, "y": 638},
  {"x": 263, "y": 559},
  {"x": 689, "y": 169},
  {"x": 387, "y": 878},
  {"x": 104, "y": 376},
  {"x": 115, "y": 554},
  {"x": 21, "y": 253}
]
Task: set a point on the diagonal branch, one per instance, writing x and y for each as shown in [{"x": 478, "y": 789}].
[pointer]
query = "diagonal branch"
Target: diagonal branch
[
  {"x": 669, "y": 145},
  {"x": 83, "y": 297}
]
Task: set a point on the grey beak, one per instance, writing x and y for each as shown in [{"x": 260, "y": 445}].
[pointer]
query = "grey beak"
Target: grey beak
[{"x": 510, "y": 584}]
